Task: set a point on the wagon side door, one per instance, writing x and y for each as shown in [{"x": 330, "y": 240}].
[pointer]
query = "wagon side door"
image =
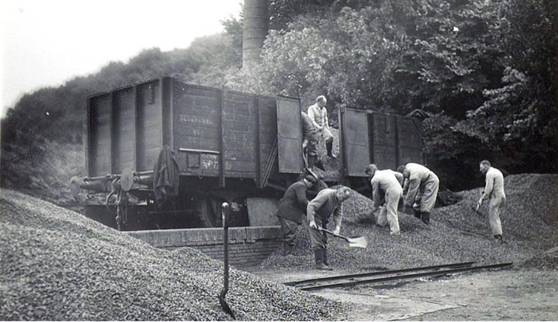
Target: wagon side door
[
  {"x": 355, "y": 142},
  {"x": 385, "y": 138},
  {"x": 289, "y": 135}
]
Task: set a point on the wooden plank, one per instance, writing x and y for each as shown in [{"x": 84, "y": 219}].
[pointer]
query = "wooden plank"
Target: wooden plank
[
  {"x": 101, "y": 134},
  {"x": 289, "y": 135},
  {"x": 355, "y": 142},
  {"x": 221, "y": 141},
  {"x": 409, "y": 134},
  {"x": 239, "y": 135},
  {"x": 198, "y": 151},
  {"x": 87, "y": 138},
  {"x": 384, "y": 141},
  {"x": 195, "y": 121},
  {"x": 112, "y": 142},
  {"x": 150, "y": 125},
  {"x": 410, "y": 147},
  {"x": 171, "y": 112},
  {"x": 160, "y": 101},
  {"x": 396, "y": 130},
  {"x": 125, "y": 133},
  {"x": 371, "y": 138},
  {"x": 257, "y": 150},
  {"x": 135, "y": 142},
  {"x": 343, "y": 155},
  {"x": 268, "y": 136}
]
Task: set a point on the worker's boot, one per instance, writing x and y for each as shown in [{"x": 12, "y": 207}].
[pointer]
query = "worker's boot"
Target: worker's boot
[
  {"x": 329, "y": 147},
  {"x": 324, "y": 260},
  {"x": 318, "y": 258},
  {"x": 417, "y": 214},
  {"x": 425, "y": 216},
  {"x": 286, "y": 249},
  {"x": 311, "y": 161},
  {"x": 326, "y": 264},
  {"x": 318, "y": 163},
  {"x": 499, "y": 238}
]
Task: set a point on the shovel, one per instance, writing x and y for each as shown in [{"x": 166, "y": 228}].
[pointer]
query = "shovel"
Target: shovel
[
  {"x": 477, "y": 211},
  {"x": 357, "y": 242},
  {"x": 226, "y": 210}
]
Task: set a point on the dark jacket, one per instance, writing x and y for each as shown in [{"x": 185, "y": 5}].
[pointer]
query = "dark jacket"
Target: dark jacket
[
  {"x": 293, "y": 204},
  {"x": 166, "y": 175},
  {"x": 324, "y": 206}
]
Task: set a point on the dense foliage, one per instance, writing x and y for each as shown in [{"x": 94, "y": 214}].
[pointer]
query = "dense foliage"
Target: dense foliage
[{"x": 479, "y": 71}]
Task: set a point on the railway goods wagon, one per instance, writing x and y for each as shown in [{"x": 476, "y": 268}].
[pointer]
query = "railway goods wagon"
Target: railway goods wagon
[{"x": 223, "y": 145}]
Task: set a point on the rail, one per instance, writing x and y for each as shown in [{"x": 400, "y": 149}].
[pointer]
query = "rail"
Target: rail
[
  {"x": 392, "y": 275},
  {"x": 199, "y": 151}
]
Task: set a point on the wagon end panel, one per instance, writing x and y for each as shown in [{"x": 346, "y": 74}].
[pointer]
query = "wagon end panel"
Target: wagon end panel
[
  {"x": 99, "y": 136},
  {"x": 196, "y": 124},
  {"x": 384, "y": 133},
  {"x": 356, "y": 142},
  {"x": 267, "y": 131},
  {"x": 239, "y": 135},
  {"x": 410, "y": 141},
  {"x": 289, "y": 135},
  {"x": 124, "y": 131},
  {"x": 149, "y": 124}
]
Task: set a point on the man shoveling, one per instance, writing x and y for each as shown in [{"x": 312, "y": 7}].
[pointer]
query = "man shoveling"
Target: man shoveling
[
  {"x": 327, "y": 204},
  {"x": 421, "y": 188},
  {"x": 386, "y": 190},
  {"x": 494, "y": 191},
  {"x": 292, "y": 208}
]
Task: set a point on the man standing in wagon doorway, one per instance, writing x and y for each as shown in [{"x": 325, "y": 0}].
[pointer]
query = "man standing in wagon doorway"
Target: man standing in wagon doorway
[{"x": 318, "y": 115}]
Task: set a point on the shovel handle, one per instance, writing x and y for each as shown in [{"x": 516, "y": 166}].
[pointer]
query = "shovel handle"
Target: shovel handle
[
  {"x": 477, "y": 211},
  {"x": 332, "y": 233}
]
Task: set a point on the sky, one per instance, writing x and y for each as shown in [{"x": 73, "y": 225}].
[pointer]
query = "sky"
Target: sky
[{"x": 48, "y": 42}]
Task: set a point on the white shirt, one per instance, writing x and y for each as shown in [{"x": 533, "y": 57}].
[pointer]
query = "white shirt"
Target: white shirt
[
  {"x": 494, "y": 187},
  {"x": 318, "y": 115}
]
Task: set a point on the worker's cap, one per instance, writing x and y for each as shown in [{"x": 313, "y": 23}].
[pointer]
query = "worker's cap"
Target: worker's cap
[
  {"x": 310, "y": 178},
  {"x": 370, "y": 168},
  {"x": 343, "y": 192}
]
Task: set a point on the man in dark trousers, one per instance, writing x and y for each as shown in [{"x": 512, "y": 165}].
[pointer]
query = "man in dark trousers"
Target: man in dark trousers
[
  {"x": 327, "y": 204},
  {"x": 292, "y": 208}
]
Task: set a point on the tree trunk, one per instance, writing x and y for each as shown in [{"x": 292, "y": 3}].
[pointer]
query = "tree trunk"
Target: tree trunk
[{"x": 254, "y": 30}]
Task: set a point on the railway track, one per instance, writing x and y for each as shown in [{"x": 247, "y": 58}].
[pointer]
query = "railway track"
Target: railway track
[{"x": 392, "y": 275}]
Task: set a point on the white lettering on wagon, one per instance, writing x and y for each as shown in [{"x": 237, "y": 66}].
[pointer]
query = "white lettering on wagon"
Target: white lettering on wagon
[{"x": 193, "y": 119}]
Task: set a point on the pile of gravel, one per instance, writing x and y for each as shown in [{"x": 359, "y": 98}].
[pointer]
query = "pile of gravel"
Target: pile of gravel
[
  {"x": 58, "y": 265},
  {"x": 456, "y": 233},
  {"x": 546, "y": 260}
]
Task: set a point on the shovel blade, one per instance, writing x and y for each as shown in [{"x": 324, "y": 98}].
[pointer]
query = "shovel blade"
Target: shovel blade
[{"x": 358, "y": 242}]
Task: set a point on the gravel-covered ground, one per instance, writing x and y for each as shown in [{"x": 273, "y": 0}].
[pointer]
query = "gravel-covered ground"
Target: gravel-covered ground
[
  {"x": 456, "y": 233},
  {"x": 56, "y": 264}
]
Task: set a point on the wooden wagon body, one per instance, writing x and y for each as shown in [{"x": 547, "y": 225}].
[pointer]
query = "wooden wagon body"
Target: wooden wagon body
[{"x": 227, "y": 144}]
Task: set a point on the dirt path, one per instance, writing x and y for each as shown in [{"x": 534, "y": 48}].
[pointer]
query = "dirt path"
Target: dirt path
[{"x": 499, "y": 295}]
